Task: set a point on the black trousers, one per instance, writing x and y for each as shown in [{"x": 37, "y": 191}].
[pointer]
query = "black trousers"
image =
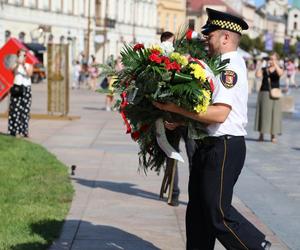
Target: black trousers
[
  {"x": 19, "y": 113},
  {"x": 174, "y": 137},
  {"x": 216, "y": 167}
]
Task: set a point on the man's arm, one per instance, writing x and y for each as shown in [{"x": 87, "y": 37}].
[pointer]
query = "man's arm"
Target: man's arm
[{"x": 216, "y": 113}]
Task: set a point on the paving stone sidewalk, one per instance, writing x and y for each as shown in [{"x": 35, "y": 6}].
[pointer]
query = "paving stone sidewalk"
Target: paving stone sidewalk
[{"x": 115, "y": 206}]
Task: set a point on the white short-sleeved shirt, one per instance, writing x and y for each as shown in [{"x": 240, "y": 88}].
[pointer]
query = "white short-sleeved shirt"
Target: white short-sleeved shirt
[
  {"x": 21, "y": 77},
  {"x": 231, "y": 88}
]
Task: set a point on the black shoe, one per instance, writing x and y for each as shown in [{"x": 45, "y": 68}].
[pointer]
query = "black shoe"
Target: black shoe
[
  {"x": 266, "y": 245},
  {"x": 175, "y": 201}
]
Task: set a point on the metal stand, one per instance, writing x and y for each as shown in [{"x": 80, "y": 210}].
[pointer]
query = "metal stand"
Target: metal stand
[{"x": 168, "y": 181}]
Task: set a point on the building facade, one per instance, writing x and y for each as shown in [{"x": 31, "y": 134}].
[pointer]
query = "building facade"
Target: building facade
[
  {"x": 98, "y": 27},
  {"x": 123, "y": 21},
  {"x": 275, "y": 15},
  {"x": 196, "y": 11},
  {"x": 293, "y": 24},
  {"x": 171, "y": 15},
  {"x": 43, "y": 21}
]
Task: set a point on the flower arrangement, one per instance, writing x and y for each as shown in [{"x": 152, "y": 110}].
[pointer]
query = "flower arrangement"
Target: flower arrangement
[{"x": 165, "y": 74}]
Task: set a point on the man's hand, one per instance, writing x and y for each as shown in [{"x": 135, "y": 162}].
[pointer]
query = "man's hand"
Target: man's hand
[{"x": 171, "y": 107}]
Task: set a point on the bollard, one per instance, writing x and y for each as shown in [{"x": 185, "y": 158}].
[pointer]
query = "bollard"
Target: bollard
[{"x": 73, "y": 168}]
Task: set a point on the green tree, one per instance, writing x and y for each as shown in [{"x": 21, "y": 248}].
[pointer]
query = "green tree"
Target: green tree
[
  {"x": 278, "y": 48},
  {"x": 246, "y": 43},
  {"x": 259, "y": 43}
]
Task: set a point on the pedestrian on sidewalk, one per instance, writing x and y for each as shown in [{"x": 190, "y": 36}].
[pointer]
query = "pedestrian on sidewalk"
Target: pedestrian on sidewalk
[
  {"x": 268, "y": 118},
  {"x": 290, "y": 75},
  {"x": 109, "y": 100},
  {"x": 76, "y": 75},
  {"x": 94, "y": 73},
  {"x": 220, "y": 157},
  {"x": 20, "y": 97},
  {"x": 175, "y": 133}
]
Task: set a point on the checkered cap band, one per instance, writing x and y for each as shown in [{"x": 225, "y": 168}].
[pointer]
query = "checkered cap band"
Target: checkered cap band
[{"x": 228, "y": 25}]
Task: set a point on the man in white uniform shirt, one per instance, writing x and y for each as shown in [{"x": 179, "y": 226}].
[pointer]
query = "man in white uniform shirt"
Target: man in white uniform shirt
[{"x": 220, "y": 156}]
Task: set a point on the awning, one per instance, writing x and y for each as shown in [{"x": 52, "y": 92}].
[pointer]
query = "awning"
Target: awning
[{"x": 36, "y": 47}]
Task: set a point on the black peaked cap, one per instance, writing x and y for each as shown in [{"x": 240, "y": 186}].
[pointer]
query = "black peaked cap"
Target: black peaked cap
[{"x": 222, "y": 20}]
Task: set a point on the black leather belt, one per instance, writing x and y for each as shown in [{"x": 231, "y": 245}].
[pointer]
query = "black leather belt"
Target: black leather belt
[{"x": 215, "y": 139}]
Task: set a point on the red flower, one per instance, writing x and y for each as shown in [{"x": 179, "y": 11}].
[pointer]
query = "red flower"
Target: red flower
[
  {"x": 144, "y": 128},
  {"x": 191, "y": 34},
  {"x": 188, "y": 34},
  {"x": 135, "y": 135},
  {"x": 138, "y": 46},
  {"x": 173, "y": 66},
  {"x": 166, "y": 59},
  {"x": 155, "y": 58},
  {"x": 155, "y": 51}
]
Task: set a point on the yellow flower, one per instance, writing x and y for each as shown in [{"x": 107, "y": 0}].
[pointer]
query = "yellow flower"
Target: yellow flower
[
  {"x": 156, "y": 47},
  {"x": 182, "y": 60},
  {"x": 198, "y": 71},
  {"x": 204, "y": 100}
]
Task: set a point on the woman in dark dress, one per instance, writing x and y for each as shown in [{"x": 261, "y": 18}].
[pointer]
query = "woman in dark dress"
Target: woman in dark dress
[{"x": 268, "y": 117}]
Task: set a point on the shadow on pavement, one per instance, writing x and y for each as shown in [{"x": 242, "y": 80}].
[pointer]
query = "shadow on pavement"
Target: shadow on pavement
[
  {"x": 89, "y": 237},
  {"x": 48, "y": 230},
  {"x": 251, "y": 139},
  {"x": 296, "y": 148},
  {"x": 121, "y": 187},
  {"x": 107, "y": 237}
]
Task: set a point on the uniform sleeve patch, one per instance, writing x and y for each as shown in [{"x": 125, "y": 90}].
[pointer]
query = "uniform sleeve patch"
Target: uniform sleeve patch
[{"x": 228, "y": 78}]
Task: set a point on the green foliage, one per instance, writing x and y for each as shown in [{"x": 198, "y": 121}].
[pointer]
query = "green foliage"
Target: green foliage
[
  {"x": 278, "y": 48},
  {"x": 195, "y": 48},
  {"x": 35, "y": 195},
  {"x": 247, "y": 43},
  {"x": 144, "y": 80},
  {"x": 259, "y": 43}
]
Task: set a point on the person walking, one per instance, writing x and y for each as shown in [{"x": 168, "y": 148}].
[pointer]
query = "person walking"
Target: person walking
[
  {"x": 94, "y": 73},
  {"x": 174, "y": 133},
  {"x": 76, "y": 75},
  {"x": 20, "y": 97},
  {"x": 290, "y": 75},
  {"x": 268, "y": 118},
  {"x": 219, "y": 157}
]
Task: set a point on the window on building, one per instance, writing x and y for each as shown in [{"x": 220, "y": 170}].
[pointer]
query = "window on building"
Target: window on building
[
  {"x": 45, "y": 5},
  {"x": 62, "y": 39},
  {"x": 68, "y": 6},
  {"x": 158, "y": 20},
  {"x": 295, "y": 15},
  {"x": 22, "y": 36},
  {"x": 56, "y": 5},
  {"x": 7, "y": 35},
  {"x": 191, "y": 24},
  {"x": 295, "y": 25},
  {"x": 19, "y": 2},
  {"x": 32, "y": 4},
  {"x": 175, "y": 23},
  {"x": 50, "y": 38},
  {"x": 167, "y": 27},
  {"x": 80, "y": 5}
]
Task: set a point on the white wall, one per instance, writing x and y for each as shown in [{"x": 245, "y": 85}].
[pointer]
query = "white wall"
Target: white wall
[{"x": 2, "y": 34}]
